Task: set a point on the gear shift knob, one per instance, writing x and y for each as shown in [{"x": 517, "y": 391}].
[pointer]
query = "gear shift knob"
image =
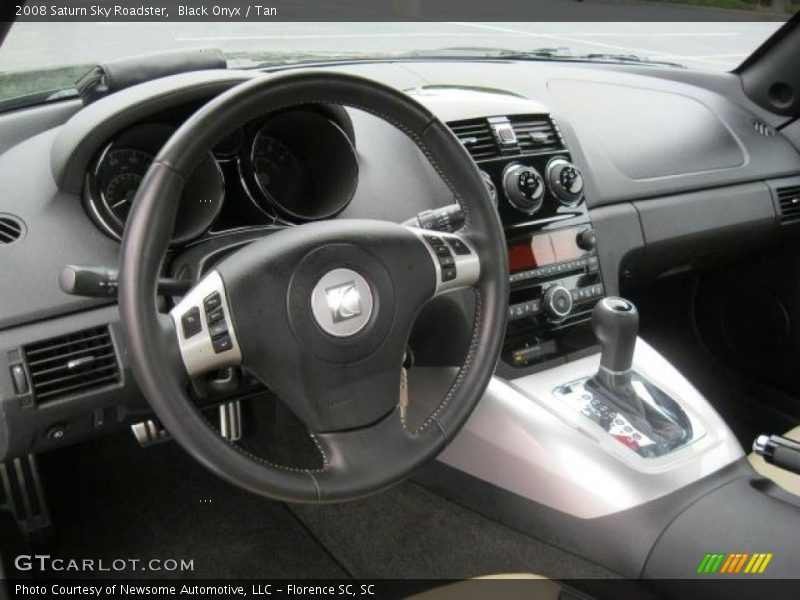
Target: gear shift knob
[{"x": 615, "y": 322}]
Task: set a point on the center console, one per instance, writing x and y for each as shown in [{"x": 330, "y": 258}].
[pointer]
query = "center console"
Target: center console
[{"x": 554, "y": 271}]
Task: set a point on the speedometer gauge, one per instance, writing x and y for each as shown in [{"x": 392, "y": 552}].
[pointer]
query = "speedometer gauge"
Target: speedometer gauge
[
  {"x": 124, "y": 170},
  {"x": 116, "y": 176}
]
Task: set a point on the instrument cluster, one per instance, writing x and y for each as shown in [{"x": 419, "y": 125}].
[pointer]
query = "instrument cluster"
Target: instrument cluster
[{"x": 293, "y": 166}]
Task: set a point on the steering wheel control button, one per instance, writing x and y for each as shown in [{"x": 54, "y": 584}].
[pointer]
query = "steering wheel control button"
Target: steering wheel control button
[
  {"x": 459, "y": 247},
  {"x": 449, "y": 274},
  {"x": 206, "y": 337},
  {"x": 217, "y": 328},
  {"x": 342, "y": 302},
  {"x": 433, "y": 240},
  {"x": 212, "y": 302},
  {"x": 447, "y": 261},
  {"x": 222, "y": 343},
  {"x": 215, "y": 315},
  {"x": 190, "y": 321}
]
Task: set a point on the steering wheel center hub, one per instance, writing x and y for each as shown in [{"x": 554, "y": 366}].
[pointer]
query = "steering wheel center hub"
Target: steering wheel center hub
[{"x": 342, "y": 302}]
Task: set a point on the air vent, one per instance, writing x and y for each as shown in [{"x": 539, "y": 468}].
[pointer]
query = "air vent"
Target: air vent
[
  {"x": 477, "y": 137},
  {"x": 789, "y": 203},
  {"x": 763, "y": 129},
  {"x": 536, "y": 133},
  {"x": 11, "y": 229},
  {"x": 72, "y": 364}
]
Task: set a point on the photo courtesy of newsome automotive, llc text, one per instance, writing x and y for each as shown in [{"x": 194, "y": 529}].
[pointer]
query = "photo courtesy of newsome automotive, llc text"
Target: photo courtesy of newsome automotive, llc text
[{"x": 400, "y": 299}]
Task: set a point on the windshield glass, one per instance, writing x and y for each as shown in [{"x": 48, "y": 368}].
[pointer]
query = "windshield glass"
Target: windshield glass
[{"x": 41, "y": 57}]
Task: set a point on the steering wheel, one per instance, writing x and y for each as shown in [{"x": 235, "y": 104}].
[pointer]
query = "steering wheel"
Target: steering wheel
[{"x": 321, "y": 312}]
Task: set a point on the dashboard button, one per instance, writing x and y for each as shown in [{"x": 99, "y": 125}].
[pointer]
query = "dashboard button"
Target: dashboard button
[
  {"x": 190, "y": 321},
  {"x": 20, "y": 380}
]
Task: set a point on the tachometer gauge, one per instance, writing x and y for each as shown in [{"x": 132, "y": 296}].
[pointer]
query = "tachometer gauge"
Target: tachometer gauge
[
  {"x": 123, "y": 172},
  {"x": 300, "y": 166},
  {"x": 278, "y": 171}
]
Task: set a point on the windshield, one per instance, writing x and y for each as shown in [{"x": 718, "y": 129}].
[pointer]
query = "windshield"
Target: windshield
[{"x": 45, "y": 56}]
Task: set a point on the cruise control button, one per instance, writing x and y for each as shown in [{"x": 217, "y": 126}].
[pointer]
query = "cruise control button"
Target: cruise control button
[
  {"x": 448, "y": 274},
  {"x": 222, "y": 343},
  {"x": 217, "y": 328},
  {"x": 190, "y": 321},
  {"x": 442, "y": 251},
  {"x": 212, "y": 302},
  {"x": 458, "y": 246},
  {"x": 433, "y": 240},
  {"x": 215, "y": 315},
  {"x": 447, "y": 261}
]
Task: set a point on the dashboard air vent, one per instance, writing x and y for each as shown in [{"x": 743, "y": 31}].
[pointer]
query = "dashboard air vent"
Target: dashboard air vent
[
  {"x": 72, "y": 363},
  {"x": 789, "y": 203},
  {"x": 763, "y": 129},
  {"x": 536, "y": 133},
  {"x": 477, "y": 137},
  {"x": 11, "y": 229}
]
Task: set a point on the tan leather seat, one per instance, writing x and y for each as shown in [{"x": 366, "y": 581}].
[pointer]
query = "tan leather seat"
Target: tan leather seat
[
  {"x": 516, "y": 586},
  {"x": 786, "y": 479}
]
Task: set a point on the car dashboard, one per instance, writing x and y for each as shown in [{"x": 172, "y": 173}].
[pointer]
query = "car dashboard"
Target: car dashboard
[{"x": 598, "y": 173}]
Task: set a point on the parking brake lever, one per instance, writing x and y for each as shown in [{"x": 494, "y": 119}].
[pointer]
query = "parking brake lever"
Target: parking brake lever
[
  {"x": 102, "y": 282},
  {"x": 779, "y": 451}
]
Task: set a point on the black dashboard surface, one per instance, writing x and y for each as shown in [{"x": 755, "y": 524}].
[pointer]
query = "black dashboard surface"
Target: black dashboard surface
[{"x": 637, "y": 134}]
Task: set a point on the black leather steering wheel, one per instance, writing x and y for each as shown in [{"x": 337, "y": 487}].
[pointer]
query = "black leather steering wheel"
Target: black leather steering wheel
[{"x": 321, "y": 312}]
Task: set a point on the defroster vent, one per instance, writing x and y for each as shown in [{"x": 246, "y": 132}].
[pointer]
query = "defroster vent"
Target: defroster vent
[{"x": 72, "y": 364}]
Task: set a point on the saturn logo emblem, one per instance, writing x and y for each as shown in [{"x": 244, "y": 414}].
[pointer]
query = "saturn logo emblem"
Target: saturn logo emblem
[{"x": 342, "y": 302}]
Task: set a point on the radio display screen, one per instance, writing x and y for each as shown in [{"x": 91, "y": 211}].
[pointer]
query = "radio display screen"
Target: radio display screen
[{"x": 543, "y": 249}]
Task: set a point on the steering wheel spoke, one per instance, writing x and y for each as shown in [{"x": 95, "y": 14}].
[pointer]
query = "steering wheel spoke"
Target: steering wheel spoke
[
  {"x": 205, "y": 328},
  {"x": 455, "y": 259}
]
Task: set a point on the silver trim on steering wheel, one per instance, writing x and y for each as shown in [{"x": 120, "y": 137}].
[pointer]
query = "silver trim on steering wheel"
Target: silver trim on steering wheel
[
  {"x": 454, "y": 258},
  {"x": 204, "y": 327}
]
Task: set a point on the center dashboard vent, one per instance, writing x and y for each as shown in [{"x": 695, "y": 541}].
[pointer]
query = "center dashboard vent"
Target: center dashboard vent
[
  {"x": 73, "y": 363},
  {"x": 484, "y": 139},
  {"x": 789, "y": 204}
]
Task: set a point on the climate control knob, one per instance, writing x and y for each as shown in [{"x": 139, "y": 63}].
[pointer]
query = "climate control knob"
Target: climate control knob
[
  {"x": 565, "y": 181},
  {"x": 557, "y": 302},
  {"x": 524, "y": 187}
]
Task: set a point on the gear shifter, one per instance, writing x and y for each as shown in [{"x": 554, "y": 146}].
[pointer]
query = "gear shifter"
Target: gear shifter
[{"x": 615, "y": 322}]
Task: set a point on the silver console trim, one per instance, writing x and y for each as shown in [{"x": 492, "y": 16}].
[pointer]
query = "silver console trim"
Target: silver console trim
[{"x": 523, "y": 439}]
